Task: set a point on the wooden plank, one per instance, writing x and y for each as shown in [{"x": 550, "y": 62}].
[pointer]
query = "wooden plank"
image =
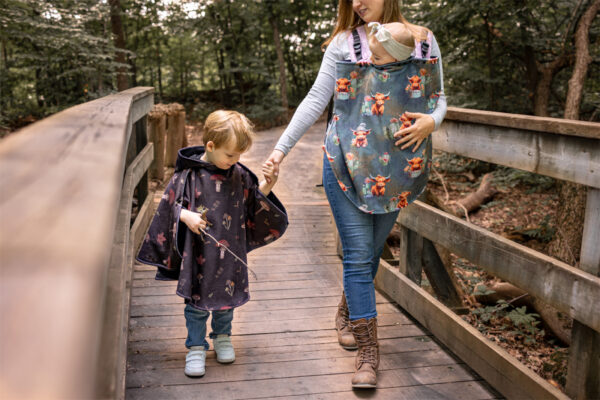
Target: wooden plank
[
  {"x": 560, "y": 126},
  {"x": 411, "y": 381},
  {"x": 568, "y": 289},
  {"x": 54, "y": 250},
  {"x": 178, "y": 329},
  {"x": 438, "y": 276},
  {"x": 583, "y": 378},
  {"x": 414, "y": 256},
  {"x": 274, "y": 339},
  {"x": 505, "y": 373},
  {"x": 310, "y": 367},
  {"x": 387, "y": 312},
  {"x": 575, "y": 159},
  {"x": 306, "y": 351},
  {"x": 139, "y": 227}
]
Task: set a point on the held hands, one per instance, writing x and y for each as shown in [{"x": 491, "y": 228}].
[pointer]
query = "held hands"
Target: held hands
[
  {"x": 193, "y": 220},
  {"x": 416, "y": 133},
  {"x": 269, "y": 171}
]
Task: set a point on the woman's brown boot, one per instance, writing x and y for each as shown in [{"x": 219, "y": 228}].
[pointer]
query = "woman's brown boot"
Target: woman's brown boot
[
  {"x": 342, "y": 326},
  {"x": 367, "y": 359}
]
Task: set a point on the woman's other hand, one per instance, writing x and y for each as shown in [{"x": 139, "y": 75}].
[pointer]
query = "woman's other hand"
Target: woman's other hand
[
  {"x": 417, "y": 132},
  {"x": 276, "y": 157}
]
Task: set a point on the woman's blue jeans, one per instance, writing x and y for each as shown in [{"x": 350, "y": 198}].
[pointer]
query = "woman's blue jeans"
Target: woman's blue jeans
[
  {"x": 363, "y": 237},
  {"x": 195, "y": 321}
]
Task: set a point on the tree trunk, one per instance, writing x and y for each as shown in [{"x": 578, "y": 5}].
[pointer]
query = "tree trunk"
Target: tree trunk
[
  {"x": 280, "y": 61},
  {"x": 582, "y": 60},
  {"x": 542, "y": 90},
  {"x": 119, "y": 37},
  {"x": 159, "y": 72}
]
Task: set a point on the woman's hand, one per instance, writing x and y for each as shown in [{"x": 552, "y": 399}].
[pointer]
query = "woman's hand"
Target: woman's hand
[
  {"x": 276, "y": 157},
  {"x": 193, "y": 220},
  {"x": 416, "y": 133}
]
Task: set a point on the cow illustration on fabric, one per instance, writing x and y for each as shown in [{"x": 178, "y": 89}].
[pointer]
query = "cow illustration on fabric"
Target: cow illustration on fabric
[
  {"x": 342, "y": 88},
  {"x": 415, "y": 87},
  {"x": 378, "y": 189},
  {"x": 360, "y": 145},
  {"x": 360, "y": 134},
  {"x": 379, "y": 99},
  {"x": 414, "y": 167}
]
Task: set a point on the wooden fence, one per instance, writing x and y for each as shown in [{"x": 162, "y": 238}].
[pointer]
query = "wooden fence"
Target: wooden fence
[
  {"x": 67, "y": 185},
  {"x": 563, "y": 149}
]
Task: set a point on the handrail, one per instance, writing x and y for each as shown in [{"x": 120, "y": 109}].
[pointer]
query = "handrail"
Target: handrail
[{"x": 60, "y": 188}]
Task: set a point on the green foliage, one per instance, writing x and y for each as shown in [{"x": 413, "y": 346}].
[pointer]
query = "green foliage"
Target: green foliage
[
  {"x": 54, "y": 55},
  {"x": 511, "y": 177},
  {"x": 516, "y": 320},
  {"x": 221, "y": 53}
]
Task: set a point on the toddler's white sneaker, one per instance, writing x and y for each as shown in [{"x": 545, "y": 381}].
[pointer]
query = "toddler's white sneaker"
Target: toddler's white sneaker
[
  {"x": 224, "y": 349},
  {"x": 195, "y": 361}
]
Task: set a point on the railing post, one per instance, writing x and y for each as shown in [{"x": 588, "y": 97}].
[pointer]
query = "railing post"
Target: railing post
[{"x": 583, "y": 378}]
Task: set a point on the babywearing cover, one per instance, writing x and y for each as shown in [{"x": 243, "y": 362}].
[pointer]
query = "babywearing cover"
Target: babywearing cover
[{"x": 370, "y": 102}]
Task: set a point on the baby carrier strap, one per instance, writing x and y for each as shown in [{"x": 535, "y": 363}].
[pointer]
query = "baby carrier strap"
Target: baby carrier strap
[
  {"x": 423, "y": 47},
  {"x": 358, "y": 44}
]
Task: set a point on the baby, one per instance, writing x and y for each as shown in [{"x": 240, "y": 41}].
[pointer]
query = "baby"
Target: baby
[{"x": 390, "y": 42}]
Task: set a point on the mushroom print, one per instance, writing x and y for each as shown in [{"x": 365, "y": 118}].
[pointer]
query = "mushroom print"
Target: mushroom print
[
  {"x": 229, "y": 287},
  {"x": 273, "y": 234},
  {"x": 227, "y": 221},
  {"x": 263, "y": 206},
  {"x": 222, "y": 245},
  {"x": 218, "y": 180}
]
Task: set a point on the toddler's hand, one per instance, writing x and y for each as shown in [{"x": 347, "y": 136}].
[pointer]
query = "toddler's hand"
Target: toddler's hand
[
  {"x": 193, "y": 220},
  {"x": 268, "y": 170}
]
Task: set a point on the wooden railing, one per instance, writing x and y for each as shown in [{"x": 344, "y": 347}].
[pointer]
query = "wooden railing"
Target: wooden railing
[
  {"x": 66, "y": 187},
  {"x": 563, "y": 149}
]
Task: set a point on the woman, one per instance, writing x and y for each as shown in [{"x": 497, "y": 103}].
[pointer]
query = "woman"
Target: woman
[{"x": 362, "y": 234}]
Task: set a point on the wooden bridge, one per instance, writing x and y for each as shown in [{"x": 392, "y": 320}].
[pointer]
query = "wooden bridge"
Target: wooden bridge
[{"x": 81, "y": 320}]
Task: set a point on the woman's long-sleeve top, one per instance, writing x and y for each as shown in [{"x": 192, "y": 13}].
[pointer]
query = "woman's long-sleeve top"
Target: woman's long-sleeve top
[{"x": 321, "y": 92}]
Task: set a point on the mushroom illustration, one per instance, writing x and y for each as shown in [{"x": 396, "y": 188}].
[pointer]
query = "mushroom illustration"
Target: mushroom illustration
[
  {"x": 218, "y": 180},
  {"x": 273, "y": 234},
  {"x": 263, "y": 206},
  {"x": 222, "y": 245},
  {"x": 227, "y": 221}
]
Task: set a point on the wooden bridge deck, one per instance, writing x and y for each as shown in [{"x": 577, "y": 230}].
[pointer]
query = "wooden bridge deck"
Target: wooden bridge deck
[{"x": 284, "y": 338}]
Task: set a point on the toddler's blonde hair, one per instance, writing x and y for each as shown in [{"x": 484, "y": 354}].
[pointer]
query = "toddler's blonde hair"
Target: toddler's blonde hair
[{"x": 222, "y": 125}]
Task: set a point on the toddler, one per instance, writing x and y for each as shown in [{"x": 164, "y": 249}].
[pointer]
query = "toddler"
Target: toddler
[{"x": 213, "y": 212}]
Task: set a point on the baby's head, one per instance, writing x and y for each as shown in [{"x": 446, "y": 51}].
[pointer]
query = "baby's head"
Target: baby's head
[
  {"x": 390, "y": 42},
  {"x": 227, "y": 134}
]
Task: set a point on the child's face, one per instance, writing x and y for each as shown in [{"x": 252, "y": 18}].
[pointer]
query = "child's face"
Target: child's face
[
  {"x": 379, "y": 55},
  {"x": 223, "y": 157}
]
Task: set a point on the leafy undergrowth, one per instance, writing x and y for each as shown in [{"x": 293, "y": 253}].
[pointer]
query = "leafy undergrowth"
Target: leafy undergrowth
[{"x": 523, "y": 210}]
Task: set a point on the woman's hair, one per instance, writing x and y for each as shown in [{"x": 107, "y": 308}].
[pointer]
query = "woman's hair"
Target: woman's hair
[
  {"x": 348, "y": 20},
  {"x": 221, "y": 125}
]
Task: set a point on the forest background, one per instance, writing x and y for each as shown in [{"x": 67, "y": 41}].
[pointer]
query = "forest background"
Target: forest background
[{"x": 261, "y": 57}]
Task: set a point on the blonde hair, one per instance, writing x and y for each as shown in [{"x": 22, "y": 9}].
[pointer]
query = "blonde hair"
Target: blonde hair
[
  {"x": 222, "y": 125},
  {"x": 347, "y": 20}
]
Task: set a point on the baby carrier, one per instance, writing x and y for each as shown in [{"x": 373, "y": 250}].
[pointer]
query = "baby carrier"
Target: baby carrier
[{"x": 369, "y": 106}]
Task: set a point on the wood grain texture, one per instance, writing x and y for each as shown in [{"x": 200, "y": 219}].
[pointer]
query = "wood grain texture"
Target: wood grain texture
[
  {"x": 505, "y": 373},
  {"x": 568, "y": 289},
  {"x": 59, "y": 197},
  {"x": 570, "y": 158},
  {"x": 560, "y": 126}
]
